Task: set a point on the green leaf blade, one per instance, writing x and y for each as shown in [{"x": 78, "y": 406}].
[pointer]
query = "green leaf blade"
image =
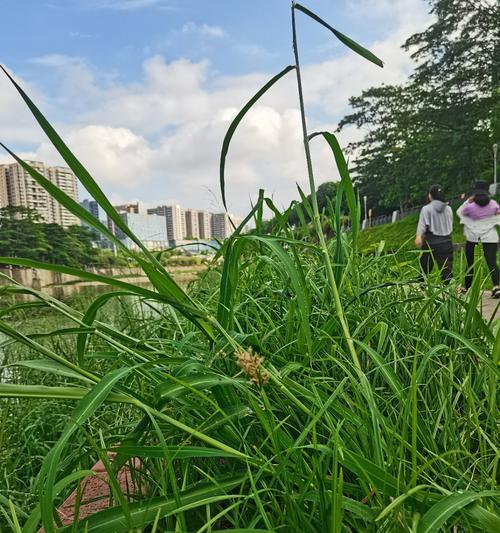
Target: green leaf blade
[
  {"x": 234, "y": 124},
  {"x": 350, "y": 43}
]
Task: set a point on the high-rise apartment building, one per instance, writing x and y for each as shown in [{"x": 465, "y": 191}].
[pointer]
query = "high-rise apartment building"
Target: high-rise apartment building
[
  {"x": 222, "y": 227},
  {"x": 92, "y": 207},
  {"x": 64, "y": 179},
  {"x": 176, "y": 223},
  {"x": 192, "y": 225},
  {"x": 3, "y": 188},
  {"x": 175, "y": 220},
  {"x": 204, "y": 225},
  {"x": 21, "y": 190}
]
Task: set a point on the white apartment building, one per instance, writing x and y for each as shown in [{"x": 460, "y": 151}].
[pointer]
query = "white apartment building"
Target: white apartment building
[
  {"x": 65, "y": 179},
  {"x": 175, "y": 220},
  {"x": 176, "y": 223},
  {"x": 18, "y": 188}
]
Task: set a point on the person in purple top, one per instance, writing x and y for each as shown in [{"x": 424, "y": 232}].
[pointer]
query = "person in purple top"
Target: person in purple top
[{"x": 480, "y": 215}]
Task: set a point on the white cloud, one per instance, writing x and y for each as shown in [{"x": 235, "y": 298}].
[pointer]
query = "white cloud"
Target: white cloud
[
  {"x": 115, "y": 156},
  {"x": 204, "y": 30},
  {"x": 160, "y": 138}
]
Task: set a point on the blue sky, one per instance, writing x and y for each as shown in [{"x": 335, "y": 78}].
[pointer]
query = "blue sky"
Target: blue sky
[{"x": 144, "y": 89}]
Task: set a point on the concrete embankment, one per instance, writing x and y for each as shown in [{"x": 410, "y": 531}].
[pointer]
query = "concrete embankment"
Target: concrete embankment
[{"x": 58, "y": 284}]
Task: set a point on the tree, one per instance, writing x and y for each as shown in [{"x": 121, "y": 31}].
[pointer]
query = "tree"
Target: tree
[
  {"x": 21, "y": 234},
  {"x": 441, "y": 124}
]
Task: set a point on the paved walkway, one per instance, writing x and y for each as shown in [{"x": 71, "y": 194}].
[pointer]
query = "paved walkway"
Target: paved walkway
[{"x": 490, "y": 306}]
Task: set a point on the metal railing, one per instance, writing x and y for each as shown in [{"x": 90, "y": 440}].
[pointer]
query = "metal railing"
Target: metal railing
[{"x": 400, "y": 214}]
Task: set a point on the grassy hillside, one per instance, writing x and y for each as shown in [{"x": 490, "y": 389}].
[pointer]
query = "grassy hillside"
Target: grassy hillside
[{"x": 401, "y": 234}]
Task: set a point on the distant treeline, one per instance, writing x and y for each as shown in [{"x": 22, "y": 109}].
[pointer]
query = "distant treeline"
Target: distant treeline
[{"x": 24, "y": 234}]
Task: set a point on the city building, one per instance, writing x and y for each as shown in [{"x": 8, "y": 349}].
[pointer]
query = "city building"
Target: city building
[
  {"x": 204, "y": 225},
  {"x": 3, "y": 187},
  {"x": 66, "y": 181},
  {"x": 221, "y": 225},
  {"x": 123, "y": 209},
  {"x": 192, "y": 225},
  {"x": 92, "y": 207},
  {"x": 195, "y": 224},
  {"x": 128, "y": 208},
  {"x": 150, "y": 229},
  {"x": 175, "y": 220},
  {"x": 18, "y": 188},
  {"x": 95, "y": 210}
]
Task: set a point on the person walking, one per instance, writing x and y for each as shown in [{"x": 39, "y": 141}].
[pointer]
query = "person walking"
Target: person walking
[
  {"x": 434, "y": 229},
  {"x": 480, "y": 215}
]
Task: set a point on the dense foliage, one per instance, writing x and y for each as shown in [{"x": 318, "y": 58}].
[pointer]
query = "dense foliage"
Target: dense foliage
[
  {"x": 24, "y": 234},
  {"x": 439, "y": 126}
]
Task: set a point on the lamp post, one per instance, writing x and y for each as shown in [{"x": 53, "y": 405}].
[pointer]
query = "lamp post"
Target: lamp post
[
  {"x": 495, "y": 150},
  {"x": 493, "y": 188},
  {"x": 365, "y": 221}
]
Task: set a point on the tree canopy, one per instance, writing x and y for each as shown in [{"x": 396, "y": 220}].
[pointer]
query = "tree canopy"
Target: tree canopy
[
  {"x": 441, "y": 124},
  {"x": 23, "y": 234}
]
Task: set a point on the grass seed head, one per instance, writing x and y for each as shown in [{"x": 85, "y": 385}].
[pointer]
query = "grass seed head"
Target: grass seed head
[{"x": 251, "y": 364}]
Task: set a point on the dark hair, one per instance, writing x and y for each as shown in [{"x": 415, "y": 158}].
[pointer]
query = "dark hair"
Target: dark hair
[
  {"x": 482, "y": 199},
  {"x": 436, "y": 192}
]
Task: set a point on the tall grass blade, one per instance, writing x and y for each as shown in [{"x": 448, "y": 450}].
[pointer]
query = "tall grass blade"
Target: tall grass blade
[
  {"x": 345, "y": 178},
  {"x": 353, "y": 45},
  {"x": 435, "y": 518},
  {"x": 237, "y": 120},
  {"x": 145, "y": 512},
  {"x": 11, "y": 390},
  {"x": 85, "y": 408},
  {"x": 80, "y": 171}
]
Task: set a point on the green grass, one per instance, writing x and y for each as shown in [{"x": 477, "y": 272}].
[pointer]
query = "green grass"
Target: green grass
[{"x": 400, "y": 234}]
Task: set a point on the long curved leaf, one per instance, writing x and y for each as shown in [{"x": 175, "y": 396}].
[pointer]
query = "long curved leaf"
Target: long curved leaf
[
  {"x": 158, "y": 275},
  {"x": 237, "y": 120},
  {"x": 196, "y": 381},
  {"x": 174, "y": 452},
  {"x": 85, "y": 408},
  {"x": 145, "y": 512},
  {"x": 12, "y": 390},
  {"x": 345, "y": 178},
  {"x": 80, "y": 171},
  {"x": 353, "y": 45},
  {"x": 438, "y": 514},
  {"x": 50, "y": 366}
]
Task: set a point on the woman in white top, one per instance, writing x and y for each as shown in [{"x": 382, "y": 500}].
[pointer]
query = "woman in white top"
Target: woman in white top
[{"x": 480, "y": 215}]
